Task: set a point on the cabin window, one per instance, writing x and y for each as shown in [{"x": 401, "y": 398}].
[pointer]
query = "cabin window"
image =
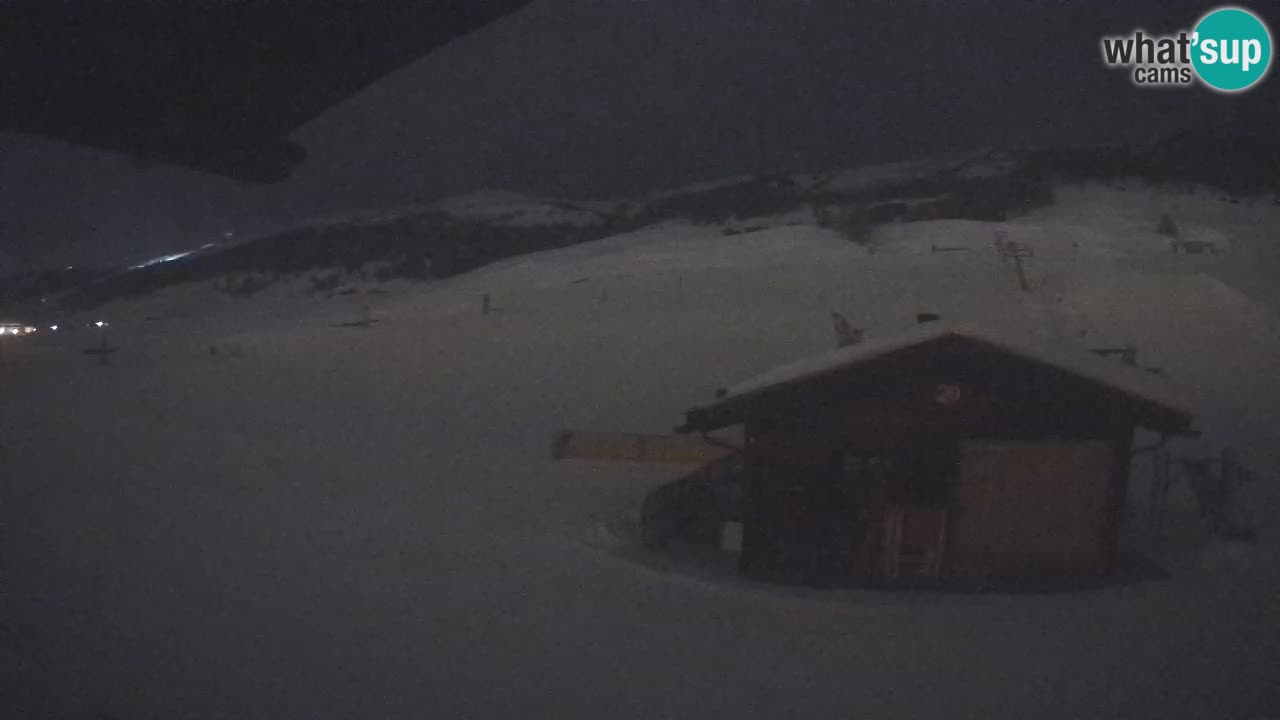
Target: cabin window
[
  {"x": 857, "y": 465},
  {"x": 921, "y": 475},
  {"x": 865, "y": 476}
]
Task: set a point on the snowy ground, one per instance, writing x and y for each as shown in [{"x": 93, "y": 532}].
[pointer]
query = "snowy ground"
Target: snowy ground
[{"x": 365, "y": 523}]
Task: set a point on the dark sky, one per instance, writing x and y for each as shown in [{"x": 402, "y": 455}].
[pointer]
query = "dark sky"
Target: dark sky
[{"x": 599, "y": 98}]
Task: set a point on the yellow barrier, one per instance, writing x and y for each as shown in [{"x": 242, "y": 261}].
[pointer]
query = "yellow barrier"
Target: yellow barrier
[{"x": 630, "y": 447}]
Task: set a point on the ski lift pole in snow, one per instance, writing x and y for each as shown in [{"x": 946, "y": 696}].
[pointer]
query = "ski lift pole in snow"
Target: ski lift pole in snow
[
  {"x": 1158, "y": 492},
  {"x": 1018, "y": 251},
  {"x": 1216, "y": 480},
  {"x": 846, "y": 334},
  {"x": 1001, "y": 252},
  {"x": 103, "y": 350},
  {"x": 486, "y": 305}
]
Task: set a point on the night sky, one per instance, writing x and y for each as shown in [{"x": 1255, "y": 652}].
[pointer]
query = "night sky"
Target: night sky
[{"x": 602, "y": 98}]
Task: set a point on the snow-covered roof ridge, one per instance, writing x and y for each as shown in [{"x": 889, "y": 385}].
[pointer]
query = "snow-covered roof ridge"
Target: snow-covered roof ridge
[{"x": 1075, "y": 360}]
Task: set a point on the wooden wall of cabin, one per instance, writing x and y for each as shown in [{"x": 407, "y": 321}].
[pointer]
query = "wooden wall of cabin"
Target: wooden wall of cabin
[
  {"x": 811, "y": 514},
  {"x": 801, "y": 526},
  {"x": 1037, "y": 509}
]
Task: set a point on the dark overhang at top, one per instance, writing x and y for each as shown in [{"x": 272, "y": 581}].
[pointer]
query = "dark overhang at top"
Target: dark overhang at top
[{"x": 211, "y": 85}]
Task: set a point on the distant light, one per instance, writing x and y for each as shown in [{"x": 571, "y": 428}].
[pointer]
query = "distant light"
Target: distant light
[
  {"x": 71, "y": 267},
  {"x": 53, "y": 328},
  {"x": 162, "y": 259},
  {"x": 100, "y": 324}
]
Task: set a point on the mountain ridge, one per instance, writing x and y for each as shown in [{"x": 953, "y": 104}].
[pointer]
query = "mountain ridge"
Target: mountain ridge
[{"x": 461, "y": 233}]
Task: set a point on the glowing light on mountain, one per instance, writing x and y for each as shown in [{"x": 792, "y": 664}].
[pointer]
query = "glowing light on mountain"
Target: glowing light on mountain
[{"x": 163, "y": 259}]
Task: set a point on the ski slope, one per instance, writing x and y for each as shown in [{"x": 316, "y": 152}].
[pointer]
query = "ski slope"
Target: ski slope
[{"x": 365, "y": 523}]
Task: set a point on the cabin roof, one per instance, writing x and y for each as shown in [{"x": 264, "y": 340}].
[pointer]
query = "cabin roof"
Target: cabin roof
[{"x": 1160, "y": 404}]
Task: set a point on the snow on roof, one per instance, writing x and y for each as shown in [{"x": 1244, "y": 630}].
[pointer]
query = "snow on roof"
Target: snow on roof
[{"x": 1074, "y": 360}]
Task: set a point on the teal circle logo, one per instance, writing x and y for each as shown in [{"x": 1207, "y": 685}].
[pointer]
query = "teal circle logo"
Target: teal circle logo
[{"x": 1231, "y": 49}]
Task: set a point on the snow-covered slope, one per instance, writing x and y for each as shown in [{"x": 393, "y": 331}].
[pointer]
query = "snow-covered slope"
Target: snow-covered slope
[
  {"x": 364, "y": 522},
  {"x": 464, "y": 232}
]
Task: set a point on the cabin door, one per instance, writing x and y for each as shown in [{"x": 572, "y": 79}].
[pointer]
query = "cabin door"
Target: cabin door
[
  {"x": 906, "y": 487},
  {"x": 1026, "y": 509}
]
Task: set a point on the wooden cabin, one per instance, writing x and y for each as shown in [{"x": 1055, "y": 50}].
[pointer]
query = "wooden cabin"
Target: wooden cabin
[{"x": 945, "y": 455}]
